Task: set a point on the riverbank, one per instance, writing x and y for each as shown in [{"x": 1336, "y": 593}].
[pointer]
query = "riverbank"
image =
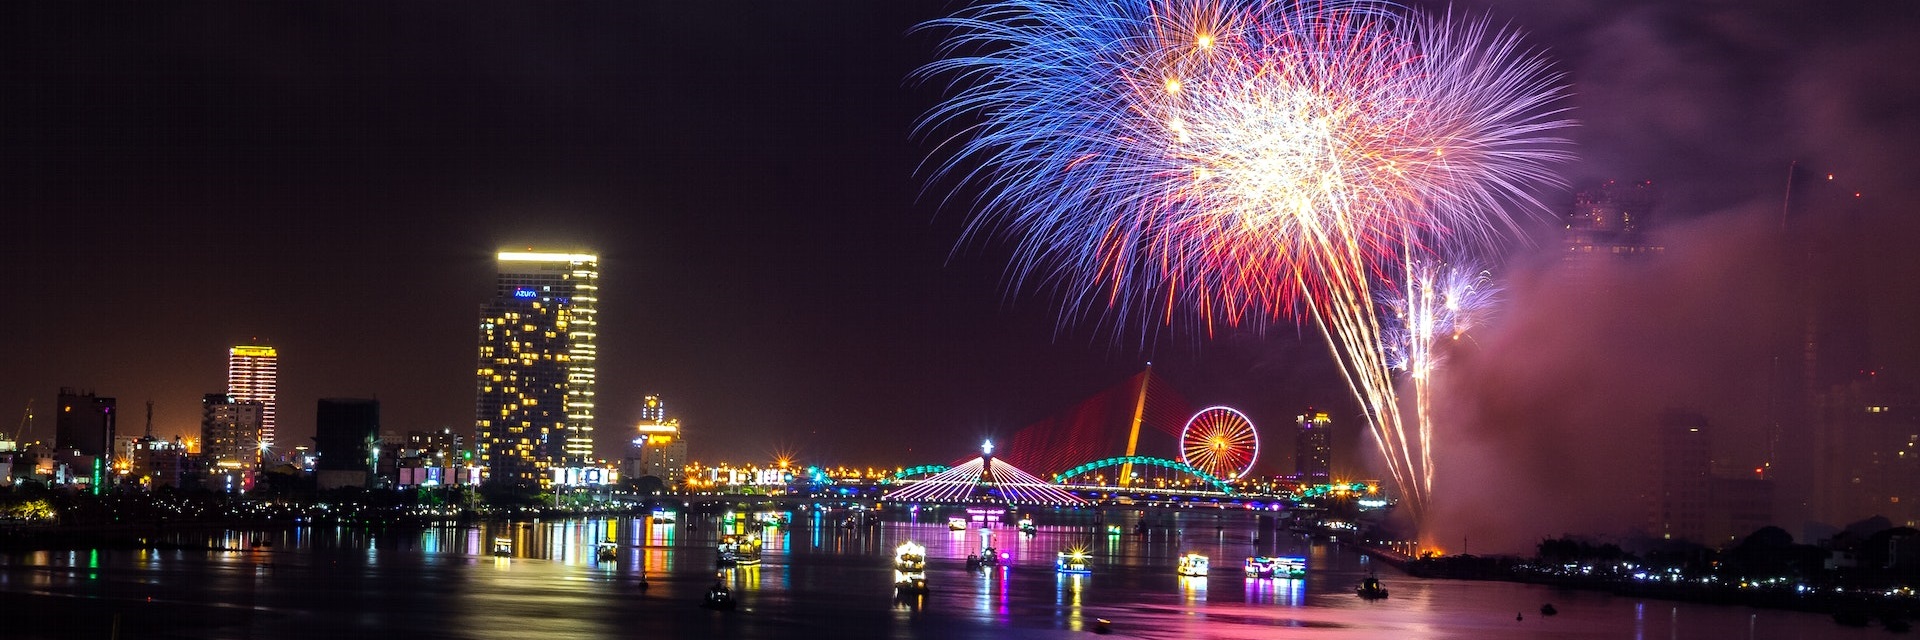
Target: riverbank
[{"x": 1841, "y": 601}]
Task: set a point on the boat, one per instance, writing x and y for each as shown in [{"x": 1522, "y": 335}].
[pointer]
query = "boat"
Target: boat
[
  {"x": 503, "y": 546},
  {"x": 909, "y": 569},
  {"x": 1075, "y": 561},
  {"x": 609, "y": 551},
  {"x": 663, "y": 516},
  {"x": 719, "y": 596},
  {"x": 1026, "y": 526},
  {"x": 1284, "y": 567},
  {"x": 988, "y": 556},
  {"x": 1113, "y": 529},
  {"x": 1548, "y": 610},
  {"x": 956, "y": 524},
  {"x": 738, "y": 549},
  {"x": 1193, "y": 564},
  {"x": 1371, "y": 589}
]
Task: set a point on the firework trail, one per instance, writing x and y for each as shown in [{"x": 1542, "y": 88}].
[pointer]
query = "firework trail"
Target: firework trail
[
  {"x": 1438, "y": 301},
  {"x": 1242, "y": 162}
]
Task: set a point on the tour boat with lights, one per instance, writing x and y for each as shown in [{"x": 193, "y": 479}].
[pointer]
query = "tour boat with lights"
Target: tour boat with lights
[
  {"x": 1026, "y": 526},
  {"x": 503, "y": 546},
  {"x": 608, "y": 551},
  {"x": 1193, "y": 564},
  {"x": 1075, "y": 561},
  {"x": 736, "y": 549},
  {"x": 910, "y": 569},
  {"x": 956, "y": 524},
  {"x": 663, "y": 516},
  {"x": 1276, "y": 567}
]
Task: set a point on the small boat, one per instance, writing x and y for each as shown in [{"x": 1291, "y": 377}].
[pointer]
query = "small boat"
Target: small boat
[
  {"x": 988, "y": 557},
  {"x": 719, "y": 597},
  {"x": 737, "y": 549},
  {"x": 663, "y": 516},
  {"x": 956, "y": 524},
  {"x": 1113, "y": 529},
  {"x": 1548, "y": 610},
  {"x": 1026, "y": 526},
  {"x": 1075, "y": 561},
  {"x": 608, "y": 552},
  {"x": 909, "y": 569},
  {"x": 503, "y": 546},
  {"x": 1371, "y": 589},
  {"x": 1193, "y": 564}
]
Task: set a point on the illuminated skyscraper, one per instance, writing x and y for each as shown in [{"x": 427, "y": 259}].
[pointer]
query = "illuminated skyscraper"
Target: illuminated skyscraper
[
  {"x": 536, "y": 373},
  {"x": 1313, "y": 448},
  {"x": 253, "y": 374}
]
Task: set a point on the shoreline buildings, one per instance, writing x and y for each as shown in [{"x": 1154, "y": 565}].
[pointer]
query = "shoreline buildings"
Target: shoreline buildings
[{"x": 535, "y": 379}]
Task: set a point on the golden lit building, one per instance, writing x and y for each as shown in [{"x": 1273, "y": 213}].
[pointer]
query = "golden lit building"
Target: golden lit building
[
  {"x": 253, "y": 375},
  {"x": 659, "y": 448},
  {"x": 536, "y": 366}
]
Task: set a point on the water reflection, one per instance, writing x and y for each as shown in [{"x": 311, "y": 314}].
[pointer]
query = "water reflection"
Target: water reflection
[
  {"x": 1193, "y": 589},
  {"x": 835, "y": 582}
]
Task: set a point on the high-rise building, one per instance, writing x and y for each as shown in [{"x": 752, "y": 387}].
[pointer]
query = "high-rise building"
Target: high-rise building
[
  {"x": 84, "y": 435},
  {"x": 346, "y": 440},
  {"x": 1609, "y": 222},
  {"x": 229, "y": 440},
  {"x": 253, "y": 374},
  {"x": 1313, "y": 448},
  {"x": 1683, "y": 473},
  {"x": 1867, "y": 451},
  {"x": 536, "y": 367},
  {"x": 85, "y": 423}
]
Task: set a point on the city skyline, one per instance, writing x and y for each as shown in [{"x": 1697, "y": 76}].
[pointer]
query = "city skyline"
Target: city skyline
[{"x": 777, "y": 265}]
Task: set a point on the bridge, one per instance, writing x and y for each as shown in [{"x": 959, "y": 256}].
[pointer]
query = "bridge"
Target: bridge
[{"x": 1091, "y": 455}]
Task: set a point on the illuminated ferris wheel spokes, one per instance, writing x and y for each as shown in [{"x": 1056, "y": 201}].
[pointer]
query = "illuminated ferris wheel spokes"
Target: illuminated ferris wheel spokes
[{"x": 1221, "y": 442}]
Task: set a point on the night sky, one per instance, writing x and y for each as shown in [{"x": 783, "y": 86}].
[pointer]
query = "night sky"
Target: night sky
[{"x": 334, "y": 178}]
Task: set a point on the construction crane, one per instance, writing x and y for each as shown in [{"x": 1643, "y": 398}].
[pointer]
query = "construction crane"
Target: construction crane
[{"x": 26, "y": 422}]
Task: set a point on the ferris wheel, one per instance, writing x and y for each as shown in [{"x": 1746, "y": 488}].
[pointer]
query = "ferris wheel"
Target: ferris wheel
[{"x": 1221, "y": 442}]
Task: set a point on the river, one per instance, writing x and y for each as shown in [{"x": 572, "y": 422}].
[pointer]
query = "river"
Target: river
[{"x": 818, "y": 581}]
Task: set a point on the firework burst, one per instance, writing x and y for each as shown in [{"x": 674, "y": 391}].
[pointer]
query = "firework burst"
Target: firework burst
[{"x": 1240, "y": 162}]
